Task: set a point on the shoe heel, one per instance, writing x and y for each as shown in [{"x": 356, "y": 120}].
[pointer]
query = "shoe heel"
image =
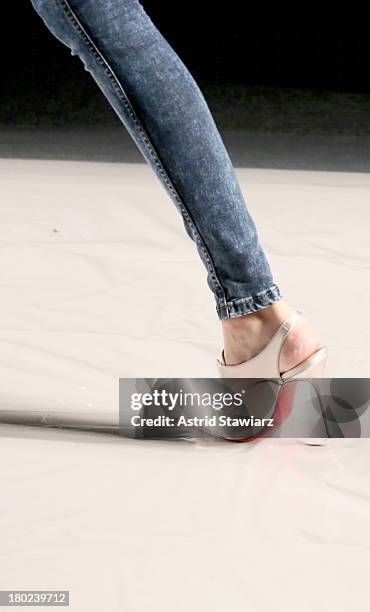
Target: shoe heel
[
  {"x": 314, "y": 367},
  {"x": 285, "y": 402}
]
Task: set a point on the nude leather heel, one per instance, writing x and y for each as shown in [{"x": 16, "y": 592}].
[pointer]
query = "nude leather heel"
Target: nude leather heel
[
  {"x": 315, "y": 370},
  {"x": 266, "y": 364}
]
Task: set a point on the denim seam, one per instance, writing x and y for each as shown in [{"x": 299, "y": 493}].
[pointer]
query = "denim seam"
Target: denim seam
[{"x": 148, "y": 144}]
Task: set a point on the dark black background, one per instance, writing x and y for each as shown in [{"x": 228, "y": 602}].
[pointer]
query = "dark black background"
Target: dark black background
[
  {"x": 288, "y": 87},
  {"x": 223, "y": 42}
]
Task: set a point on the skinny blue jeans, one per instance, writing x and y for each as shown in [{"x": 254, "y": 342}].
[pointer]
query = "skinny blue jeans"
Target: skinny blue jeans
[{"x": 165, "y": 113}]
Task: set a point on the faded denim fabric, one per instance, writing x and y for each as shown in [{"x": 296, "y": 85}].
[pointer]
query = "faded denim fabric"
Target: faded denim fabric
[{"x": 163, "y": 109}]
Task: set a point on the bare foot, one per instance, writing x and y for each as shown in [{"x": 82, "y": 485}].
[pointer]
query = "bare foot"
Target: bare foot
[{"x": 247, "y": 335}]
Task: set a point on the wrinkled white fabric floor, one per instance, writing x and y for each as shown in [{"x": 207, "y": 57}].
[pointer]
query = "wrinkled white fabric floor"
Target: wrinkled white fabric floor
[{"x": 99, "y": 280}]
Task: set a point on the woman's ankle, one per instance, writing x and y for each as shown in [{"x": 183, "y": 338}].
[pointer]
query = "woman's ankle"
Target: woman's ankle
[{"x": 247, "y": 335}]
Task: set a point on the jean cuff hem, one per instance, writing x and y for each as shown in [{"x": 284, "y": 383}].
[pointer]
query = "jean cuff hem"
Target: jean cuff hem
[{"x": 247, "y": 305}]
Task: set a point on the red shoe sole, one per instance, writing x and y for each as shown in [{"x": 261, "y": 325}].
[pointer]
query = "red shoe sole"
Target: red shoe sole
[{"x": 283, "y": 409}]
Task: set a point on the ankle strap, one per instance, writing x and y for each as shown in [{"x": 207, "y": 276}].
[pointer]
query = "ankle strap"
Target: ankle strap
[
  {"x": 283, "y": 331},
  {"x": 279, "y": 337},
  {"x": 291, "y": 321}
]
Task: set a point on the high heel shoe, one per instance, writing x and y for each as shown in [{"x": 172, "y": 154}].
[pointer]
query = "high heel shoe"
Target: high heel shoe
[{"x": 266, "y": 364}]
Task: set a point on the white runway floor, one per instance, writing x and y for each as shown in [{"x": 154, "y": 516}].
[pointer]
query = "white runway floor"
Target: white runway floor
[{"x": 99, "y": 280}]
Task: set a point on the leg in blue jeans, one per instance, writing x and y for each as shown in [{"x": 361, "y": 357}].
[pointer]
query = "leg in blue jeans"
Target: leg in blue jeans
[{"x": 165, "y": 113}]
